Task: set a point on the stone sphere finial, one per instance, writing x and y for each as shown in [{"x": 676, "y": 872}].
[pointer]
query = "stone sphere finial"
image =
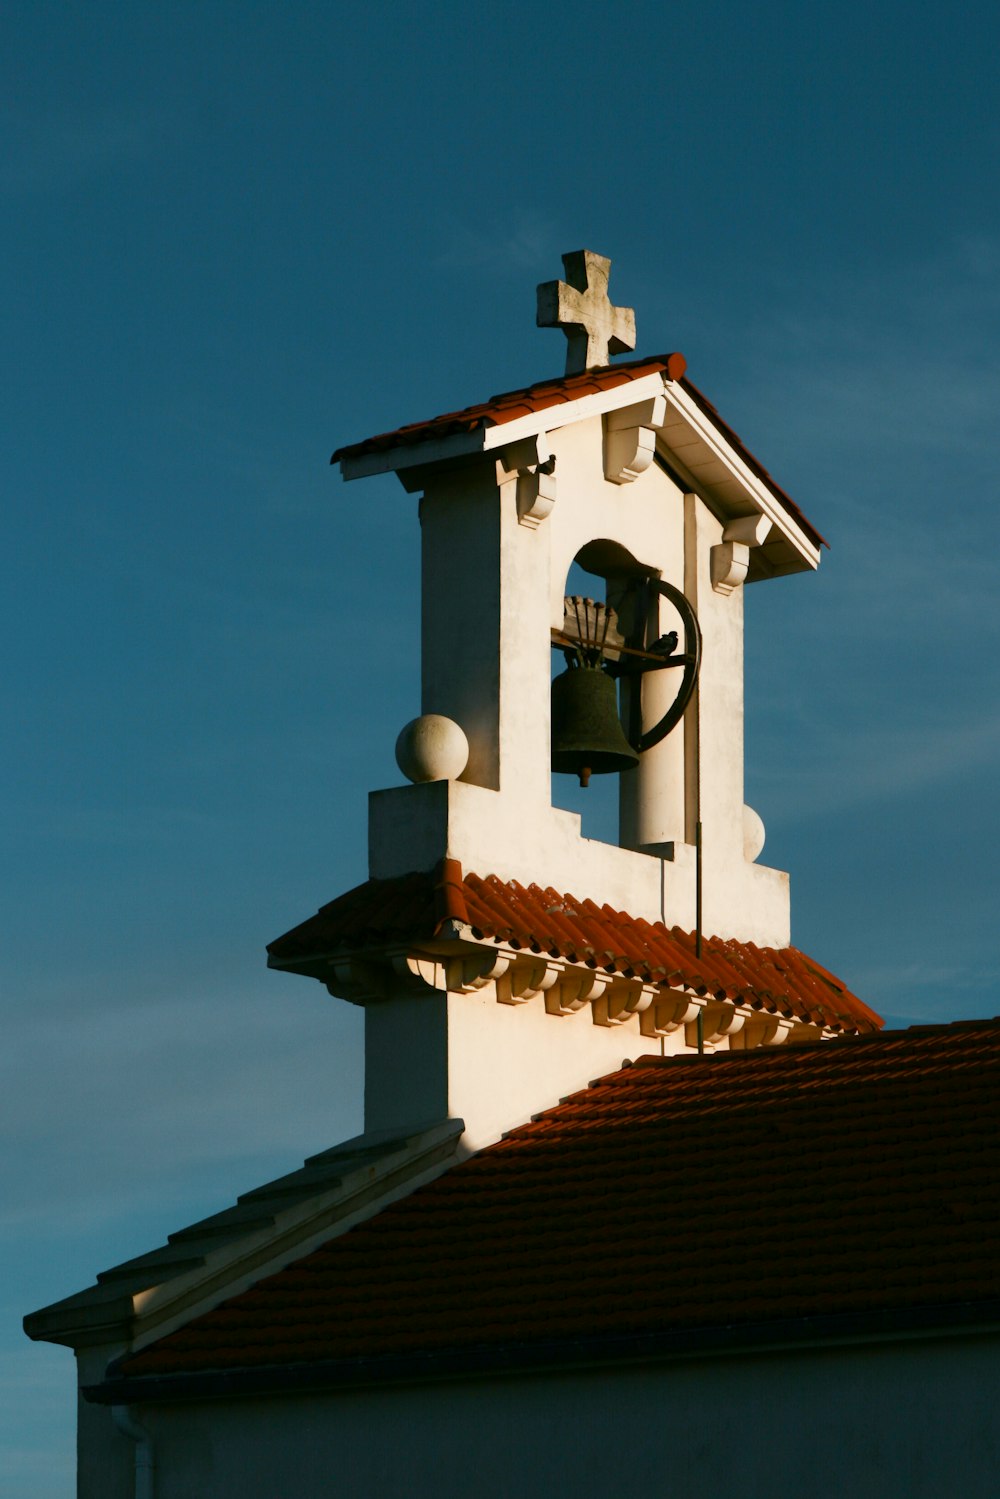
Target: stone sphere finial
[
  {"x": 432, "y": 748},
  {"x": 753, "y": 833}
]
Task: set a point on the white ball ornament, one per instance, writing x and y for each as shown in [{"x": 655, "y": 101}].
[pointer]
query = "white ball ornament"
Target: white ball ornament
[
  {"x": 432, "y": 748},
  {"x": 753, "y": 834}
]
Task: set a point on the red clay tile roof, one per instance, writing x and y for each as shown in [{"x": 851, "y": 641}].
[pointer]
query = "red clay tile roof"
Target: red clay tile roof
[
  {"x": 836, "y": 1179},
  {"x": 415, "y": 907},
  {"x": 509, "y": 406},
  {"x": 547, "y": 393}
]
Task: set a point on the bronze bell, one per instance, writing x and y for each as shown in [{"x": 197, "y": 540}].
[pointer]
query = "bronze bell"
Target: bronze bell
[{"x": 587, "y": 736}]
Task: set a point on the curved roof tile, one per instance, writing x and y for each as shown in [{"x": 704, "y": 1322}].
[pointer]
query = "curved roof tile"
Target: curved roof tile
[{"x": 415, "y": 908}]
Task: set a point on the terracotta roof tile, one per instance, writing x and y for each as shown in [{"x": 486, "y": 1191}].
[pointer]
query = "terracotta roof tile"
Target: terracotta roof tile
[
  {"x": 678, "y": 1193},
  {"x": 544, "y": 394},
  {"x": 500, "y": 409},
  {"x": 415, "y": 907}
]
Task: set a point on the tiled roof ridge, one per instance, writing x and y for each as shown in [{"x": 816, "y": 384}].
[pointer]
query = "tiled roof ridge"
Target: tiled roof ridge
[
  {"x": 541, "y": 395},
  {"x": 730, "y": 946},
  {"x": 783, "y": 1059},
  {"x": 897, "y": 1035},
  {"x": 506, "y": 406},
  {"x": 417, "y": 906}
]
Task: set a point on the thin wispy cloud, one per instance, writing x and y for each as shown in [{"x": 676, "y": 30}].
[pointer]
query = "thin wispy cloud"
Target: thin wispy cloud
[
  {"x": 889, "y": 407},
  {"x": 898, "y": 364},
  {"x": 851, "y": 768},
  {"x": 475, "y": 248},
  {"x": 199, "y": 1083}
]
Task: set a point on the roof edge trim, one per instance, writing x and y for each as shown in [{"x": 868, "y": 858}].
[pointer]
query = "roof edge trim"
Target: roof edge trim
[
  {"x": 895, "y": 1325},
  {"x": 147, "y": 1299}
]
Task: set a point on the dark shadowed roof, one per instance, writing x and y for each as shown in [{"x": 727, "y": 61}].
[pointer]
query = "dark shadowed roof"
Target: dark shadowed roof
[
  {"x": 684, "y": 1197},
  {"x": 417, "y": 907}
]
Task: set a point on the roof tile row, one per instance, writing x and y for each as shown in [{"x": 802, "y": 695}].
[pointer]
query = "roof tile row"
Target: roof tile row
[
  {"x": 507, "y": 407},
  {"x": 677, "y": 1193},
  {"x": 417, "y": 906}
]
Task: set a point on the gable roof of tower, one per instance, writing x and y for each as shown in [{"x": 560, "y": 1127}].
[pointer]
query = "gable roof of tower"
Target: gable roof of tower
[
  {"x": 544, "y": 395},
  {"x": 506, "y": 407},
  {"x": 447, "y": 902},
  {"x": 684, "y": 1204}
]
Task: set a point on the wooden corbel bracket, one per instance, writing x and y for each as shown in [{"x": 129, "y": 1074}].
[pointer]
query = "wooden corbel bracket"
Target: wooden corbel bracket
[
  {"x": 470, "y": 972},
  {"x": 623, "y": 999},
  {"x": 731, "y": 557},
  {"x": 719, "y": 1019},
  {"x": 669, "y": 1011},
  {"x": 533, "y": 467},
  {"x": 358, "y": 980},
  {"x": 630, "y": 439},
  {"x": 763, "y": 1030},
  {"x": 576, "y": 988},
  {"x": 525, "y": 981}
]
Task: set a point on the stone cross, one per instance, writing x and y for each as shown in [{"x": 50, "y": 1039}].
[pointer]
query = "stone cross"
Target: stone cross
[{"x": 594, "y": 328}]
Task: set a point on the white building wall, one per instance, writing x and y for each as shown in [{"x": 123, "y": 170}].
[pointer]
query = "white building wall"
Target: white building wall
[
  {"x": 460, "y": 613},
  {"x": 914, "y": 1419},
  {"x": 440, "y": 1056}
]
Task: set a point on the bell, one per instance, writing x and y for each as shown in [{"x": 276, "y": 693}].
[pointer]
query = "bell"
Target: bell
[{"x": 587, "y": 736}]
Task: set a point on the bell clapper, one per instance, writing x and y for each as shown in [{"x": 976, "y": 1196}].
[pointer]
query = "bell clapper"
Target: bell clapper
[{"x": 584, "y": 775}]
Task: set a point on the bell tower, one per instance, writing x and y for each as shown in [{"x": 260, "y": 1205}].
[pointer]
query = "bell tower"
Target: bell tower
[{"x": 627, "y": 470}]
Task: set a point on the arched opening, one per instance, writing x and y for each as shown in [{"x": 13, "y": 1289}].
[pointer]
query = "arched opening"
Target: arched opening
[
  {"x": 606, "y": 575},
  {"x": 639, "y": 644}
]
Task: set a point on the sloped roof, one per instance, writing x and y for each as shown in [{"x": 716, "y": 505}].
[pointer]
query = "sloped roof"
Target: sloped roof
[
  {"x": 354, "y": 1177},
  {"x": 508, "y": 406},
  {"x": 678, "y": 1201},
  {"x": 417, "y": 907}
]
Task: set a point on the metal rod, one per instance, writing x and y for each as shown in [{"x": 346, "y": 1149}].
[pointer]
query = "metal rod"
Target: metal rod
[
  {"x": 581, "y": 633},
  {"x": 607, "y": 622},
  {"x": 697, "y": 887}
]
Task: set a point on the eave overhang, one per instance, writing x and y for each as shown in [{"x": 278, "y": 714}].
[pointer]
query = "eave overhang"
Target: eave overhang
[
  {"x": 460, "y": 964},
  {"x": 462, "y": 933},
  {"x": 693, "y": 443},
  {"x": 721, "y": 1340},
  {"x": 147, "y": 1297}
]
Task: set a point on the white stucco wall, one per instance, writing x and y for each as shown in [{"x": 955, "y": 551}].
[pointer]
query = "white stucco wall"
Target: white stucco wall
[
  {"x": 915, "y": 1419},
  {"x": 464, "y": 1056},
  {"x": 491, "y": 590}
]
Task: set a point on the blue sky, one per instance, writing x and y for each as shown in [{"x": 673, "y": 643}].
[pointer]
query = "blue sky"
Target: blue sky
[{"x": 239, "y": 235}]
